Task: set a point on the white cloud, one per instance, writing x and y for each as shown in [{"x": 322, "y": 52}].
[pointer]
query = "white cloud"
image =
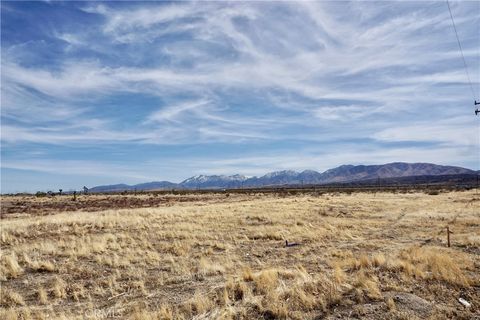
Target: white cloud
[
  {"x": 344, "y": 113},
  {"x": 460, "y": 131},
  {"x": 75, "y": 78},
  {"x": 171, "y": 113},
  {"x": 76, "y": 167},
  {"x": 313, "y": 72}
]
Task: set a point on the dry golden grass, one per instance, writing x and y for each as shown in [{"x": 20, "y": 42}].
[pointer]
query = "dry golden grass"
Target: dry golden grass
[
  {"x": 361, "y": 255},
  {"x": 10, "y": 267}
]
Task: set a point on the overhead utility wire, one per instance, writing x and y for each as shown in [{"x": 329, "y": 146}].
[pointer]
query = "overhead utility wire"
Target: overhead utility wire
[
  {"x": 471, "y": 86},
  {"x": 461, "y": 50}
]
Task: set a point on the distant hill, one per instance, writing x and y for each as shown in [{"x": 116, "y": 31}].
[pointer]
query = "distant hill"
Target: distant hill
[
  {"x": 341, "y": 174},
  {"x": 348, "y": 173},
  {"x": 155, "y": 185}
]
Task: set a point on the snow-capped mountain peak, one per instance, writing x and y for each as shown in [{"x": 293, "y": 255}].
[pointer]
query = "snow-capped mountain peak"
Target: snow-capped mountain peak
[{"x": 289, "y": 173}]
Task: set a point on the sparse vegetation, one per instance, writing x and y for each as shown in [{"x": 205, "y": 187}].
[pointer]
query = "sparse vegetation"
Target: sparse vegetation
[{"x": 364, "y": 255}]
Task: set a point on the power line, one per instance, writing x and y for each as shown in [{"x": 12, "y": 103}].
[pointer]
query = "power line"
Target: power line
[
  {"x": 461, "y": 50},
  {"x": 471, "y": 88}
]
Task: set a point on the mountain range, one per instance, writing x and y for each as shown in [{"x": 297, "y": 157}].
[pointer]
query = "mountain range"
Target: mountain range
[{"x": 342, "y": 174}]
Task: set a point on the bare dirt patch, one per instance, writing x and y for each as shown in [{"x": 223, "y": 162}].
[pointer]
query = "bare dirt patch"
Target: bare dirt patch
[{"x": 30, "y": 205}]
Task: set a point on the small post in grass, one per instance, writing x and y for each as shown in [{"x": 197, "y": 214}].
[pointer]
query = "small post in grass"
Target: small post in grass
[{"x": 448, "y": 236}]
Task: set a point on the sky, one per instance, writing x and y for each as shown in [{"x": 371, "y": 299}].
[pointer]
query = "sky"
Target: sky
[{"x": 126, "y": 92}]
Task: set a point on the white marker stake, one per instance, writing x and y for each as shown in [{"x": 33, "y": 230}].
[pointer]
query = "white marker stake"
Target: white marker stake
[{"x": 464, "y": 302}]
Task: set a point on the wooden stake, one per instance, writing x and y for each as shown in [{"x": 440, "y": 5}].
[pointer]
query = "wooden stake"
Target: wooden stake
[{"x": 448, "y": 236}]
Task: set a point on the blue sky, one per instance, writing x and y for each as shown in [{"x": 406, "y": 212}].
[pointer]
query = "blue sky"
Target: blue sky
[{"x": 109, "y": 92}]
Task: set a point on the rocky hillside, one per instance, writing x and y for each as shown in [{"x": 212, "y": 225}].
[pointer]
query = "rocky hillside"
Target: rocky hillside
[{"x": 345, "y": 173}]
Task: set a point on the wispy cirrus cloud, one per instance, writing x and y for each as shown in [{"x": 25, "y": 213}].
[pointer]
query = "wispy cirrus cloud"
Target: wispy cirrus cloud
[{"x": 240, "y": 78}]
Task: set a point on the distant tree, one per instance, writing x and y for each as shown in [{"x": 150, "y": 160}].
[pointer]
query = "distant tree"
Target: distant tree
[{"x": 60, "y": 191}]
